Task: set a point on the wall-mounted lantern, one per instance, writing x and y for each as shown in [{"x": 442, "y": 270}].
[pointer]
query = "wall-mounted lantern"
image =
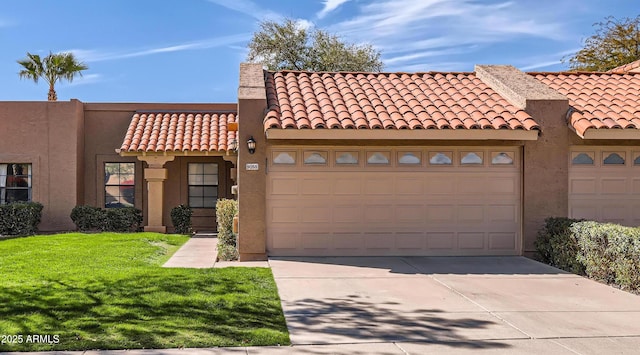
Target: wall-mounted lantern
[{"x": 251, "y": 145}]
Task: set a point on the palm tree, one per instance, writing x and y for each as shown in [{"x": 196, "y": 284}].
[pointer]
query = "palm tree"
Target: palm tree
[{"x": 52, "y": 68}]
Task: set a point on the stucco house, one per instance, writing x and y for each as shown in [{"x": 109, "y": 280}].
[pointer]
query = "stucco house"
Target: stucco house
[{"x": 347, "y": 163}]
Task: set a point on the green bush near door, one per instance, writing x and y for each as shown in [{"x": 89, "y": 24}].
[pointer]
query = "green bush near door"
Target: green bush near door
[
  {"x": 227, "y": 240},
  {"x": 181, "y": 219}
]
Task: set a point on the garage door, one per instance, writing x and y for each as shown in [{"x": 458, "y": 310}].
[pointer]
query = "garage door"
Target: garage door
[
  {"x": 604, "y": 184},
  {"x": 394, "y": 201}
]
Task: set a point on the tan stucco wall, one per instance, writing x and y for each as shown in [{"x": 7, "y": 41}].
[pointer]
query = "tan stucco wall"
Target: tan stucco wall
[
  {"x": 546, "y": 173},
  {"x": 105, "y": 127},
  {"x": 252, "y": 184},
  {"x": 47, "y": 135}
]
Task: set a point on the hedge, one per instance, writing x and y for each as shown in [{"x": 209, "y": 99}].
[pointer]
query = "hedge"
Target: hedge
[
  {"x": 227, "y": 245},
  {"x": 603, "y": 251},
  {"x": 610, "y": 253},
  {"x": 181, "y": 219},
  {"x": 557, "y": 246},
  {"x": 124, "y": 219},
  {"x": 20, "y": 218}
]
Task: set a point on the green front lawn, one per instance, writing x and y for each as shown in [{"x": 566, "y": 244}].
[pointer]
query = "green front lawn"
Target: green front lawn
[{"x": 109, "y": 291}]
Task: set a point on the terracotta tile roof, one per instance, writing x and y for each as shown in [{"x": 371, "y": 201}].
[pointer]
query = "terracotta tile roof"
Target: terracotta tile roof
[
  {"x": 303, "y": 100},
  {"x": 598, "y": 100},
  {"x": 179, "y": 131},
  {"x": 627, "y": 68}
]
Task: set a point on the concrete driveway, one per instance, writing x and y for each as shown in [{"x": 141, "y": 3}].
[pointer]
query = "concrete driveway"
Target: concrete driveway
[{"x": 453, "y": 305}]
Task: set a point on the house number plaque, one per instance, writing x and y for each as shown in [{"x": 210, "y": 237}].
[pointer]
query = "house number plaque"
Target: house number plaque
[{"x": 252, "y": 166}]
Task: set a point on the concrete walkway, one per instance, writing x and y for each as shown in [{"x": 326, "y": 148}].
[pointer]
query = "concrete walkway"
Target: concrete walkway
[{"x": 201, "y": 252}]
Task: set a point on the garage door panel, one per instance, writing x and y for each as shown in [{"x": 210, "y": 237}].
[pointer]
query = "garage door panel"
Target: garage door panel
[
  {"x": 585, "y": 186},
  {"x": 441, "y": 214},
  {"x": 613, "y": 186},
  {"x": 378, "y": 186},
  {"x": 471, "y": 240},
  {"x": 502, "y": 241},
  {"x": 411, "y": 241},
  {"x": 379, "y": 241},
  {"x": 412, "y": 214},
  {"x": 441, "y": 240},
  {"x": 440, "y": 185},
  {"x": 347, "y": 186},
  {"x": 584, "y": 211},
  {"x": 316, "y": 187},
  {"x": 282, "y": 214},
  {"x": 283, "y": 186},
  {"x": 316, "y": 240},
  {"x": 503, "y": 213},
  {"x": 351, "y": 241},
  {"x": 605, "y": 192},
  {"x": 283, "y": 240},
  {"x": 506, "y": 185},
  {"x": 316, "y": 214},
  {"x": 614, "y": 213},
  {"x": 377, "y": 214},
  {"x": 421, "y": 209},
  {"x": 347, "y": 213},
  {"x": 411, "y": 186},
  {"x": 635, "y": 214},
  {"x": 471, "y": 185},
  {"x": 471, "y": 213}
]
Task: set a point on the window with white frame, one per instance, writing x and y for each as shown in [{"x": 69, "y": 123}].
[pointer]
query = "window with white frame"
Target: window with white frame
[
  {"x": 119, "y": 185},
  {"x": 203, "y": 185},
  {"x": 15, "y": 182}
]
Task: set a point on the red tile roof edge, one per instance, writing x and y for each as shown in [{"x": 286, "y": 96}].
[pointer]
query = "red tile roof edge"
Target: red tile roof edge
[
  {"x": 364, "y": 102},
  {"x": 165, "y": 134}
]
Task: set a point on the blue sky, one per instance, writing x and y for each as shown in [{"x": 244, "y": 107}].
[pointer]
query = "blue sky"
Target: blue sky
[{"x": 190, "y": 50}]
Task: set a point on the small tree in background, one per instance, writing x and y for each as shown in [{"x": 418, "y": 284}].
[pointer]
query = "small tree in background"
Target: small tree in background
[
  {"x": 615, "y": 43},
  {"x": 52, "y": 68},
  {"x": 289, "y": 46}
]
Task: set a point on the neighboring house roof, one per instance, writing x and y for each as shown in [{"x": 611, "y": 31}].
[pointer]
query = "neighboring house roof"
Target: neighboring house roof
[
  {"x": 598, "y": 100},
  {"x": 179, "y": 131},
  {"x": 390, "y": 101},
  {"x": 632, "y": 67}
]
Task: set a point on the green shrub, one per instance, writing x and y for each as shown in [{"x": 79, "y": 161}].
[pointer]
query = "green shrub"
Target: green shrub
[
  {"x": 603, "y": 251},
  {"x": 88, "y": 218},
  {"x": 181, "y": 219},
  {"x": 227, "y": 252},
  {"x": 625, "y": 250},
  {"x": 124, "y": 219},
  {"x": 20, "y": 218},
  {"x": 609, "y": 252},
  {"x": 225, "y": 211},
  {"x": 557, "y": 246}
]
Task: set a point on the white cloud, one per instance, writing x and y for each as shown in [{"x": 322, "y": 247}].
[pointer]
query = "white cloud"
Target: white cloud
[
  {"x": 85, "y": 79},
  {"x": 97, "y": 56},
  {"x": 547, "y": 60},
  {"x": 426, "y": 54},
  {"x": 249, "y": 8},
  {"x": 330, "y": 5},
  {"x": 304, "y": 24},
  {"x": 408, "y": 31}
]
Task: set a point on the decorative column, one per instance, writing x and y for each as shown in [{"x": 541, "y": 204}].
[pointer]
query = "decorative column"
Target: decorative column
[{"x": 155, "y": 175}]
